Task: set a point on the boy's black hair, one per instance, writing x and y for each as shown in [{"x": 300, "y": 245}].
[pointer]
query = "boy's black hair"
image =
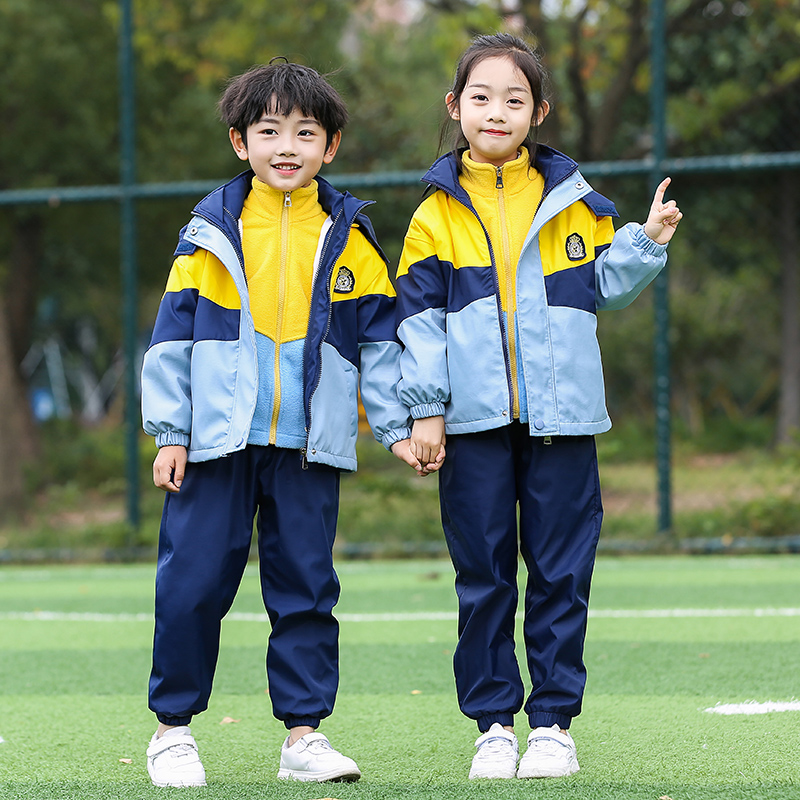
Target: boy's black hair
[{"x": 281, "y": 88}]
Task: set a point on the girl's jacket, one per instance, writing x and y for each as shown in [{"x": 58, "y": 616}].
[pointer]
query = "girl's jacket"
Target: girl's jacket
[
  {"x": 200, "y": 374},
  {"x": 453, "y": 326}
]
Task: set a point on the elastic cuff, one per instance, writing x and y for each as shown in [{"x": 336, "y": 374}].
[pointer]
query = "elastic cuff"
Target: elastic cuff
[
  {"x": 394, "y": 436},
  {"x": 170, "y": 438},
  {"x": 650, "y": 246},
  {"x": 503, "y": 717},
  {"x": 424, "y": 410},
  {"x": 166, "y": 719},
  {"x": 546, "y": 719},
  {"x": 296, "y": 722}
]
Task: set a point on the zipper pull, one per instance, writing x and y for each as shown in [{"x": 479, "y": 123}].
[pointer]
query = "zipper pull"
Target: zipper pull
[
  {"x": 303, "y": 460},
  {"x": 499, "y": 184},
  {"x": 287, "y": 199}
]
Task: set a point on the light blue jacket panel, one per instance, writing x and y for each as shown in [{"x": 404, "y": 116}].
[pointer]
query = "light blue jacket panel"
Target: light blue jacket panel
[
  {"x": 456, "y": 360},
  {"x": 200, "y": 378}
]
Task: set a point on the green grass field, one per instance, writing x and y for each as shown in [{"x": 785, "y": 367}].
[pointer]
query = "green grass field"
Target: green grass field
[{"x": 668, "y": 638}]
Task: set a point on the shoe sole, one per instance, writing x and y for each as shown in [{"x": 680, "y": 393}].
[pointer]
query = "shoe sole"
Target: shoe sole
[
  {"x": 177, "y": 784},
  {"x": 319, "y": 777},
  {"x": 544, "y": 773},
  {"x": 493, "y": 776}
]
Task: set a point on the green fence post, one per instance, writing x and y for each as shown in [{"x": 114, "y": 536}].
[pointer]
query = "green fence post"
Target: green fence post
[
  {"x": 128, "y": 255},
  {"x": 661, "y": 285}
]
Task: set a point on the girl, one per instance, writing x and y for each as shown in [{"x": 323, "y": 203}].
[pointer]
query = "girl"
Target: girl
[{"x": 503, "y": 270}]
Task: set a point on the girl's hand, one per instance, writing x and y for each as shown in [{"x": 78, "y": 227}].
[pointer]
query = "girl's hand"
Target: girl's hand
[
  {"x": 427, "y": 440},
  {"x": 169, "y": 468},
  {"x": 664, "y": 217}
]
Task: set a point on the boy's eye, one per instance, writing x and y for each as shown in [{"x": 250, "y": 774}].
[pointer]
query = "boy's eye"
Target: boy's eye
[{"x": 306, "y": 133}]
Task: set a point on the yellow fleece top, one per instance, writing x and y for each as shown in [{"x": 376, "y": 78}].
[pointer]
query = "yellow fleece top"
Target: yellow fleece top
[
  {"x": 506, "y": 199},
  {"x": 281, "y": 234},
  {"x": 280, "y": 237}
]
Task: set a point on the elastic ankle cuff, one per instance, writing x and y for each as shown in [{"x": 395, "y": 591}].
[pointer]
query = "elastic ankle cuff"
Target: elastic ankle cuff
[
  {"x": 175, "y": 722},
  {"x": 545, "y": 719},
  {"x": 296, "y": 722},
  {"x": 505, "y": 718}
]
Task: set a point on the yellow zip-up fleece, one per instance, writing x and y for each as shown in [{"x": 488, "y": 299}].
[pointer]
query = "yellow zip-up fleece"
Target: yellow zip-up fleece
[
  {"x": 506, "y": 199},
  {"x": 281, "y": 233}
]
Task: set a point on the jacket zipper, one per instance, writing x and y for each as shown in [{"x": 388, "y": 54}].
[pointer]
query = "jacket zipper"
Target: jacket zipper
[
  {"x": 276, "y": 401},
  {"x": 510, "y": 288},
  {"x": 304, "y": 451}
]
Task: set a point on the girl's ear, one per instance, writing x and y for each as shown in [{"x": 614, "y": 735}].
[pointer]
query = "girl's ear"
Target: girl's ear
[
  {"x": 544, "y": 110},
  {"x": 452, "y": 106},
  {"x": 330, "y": 152}
]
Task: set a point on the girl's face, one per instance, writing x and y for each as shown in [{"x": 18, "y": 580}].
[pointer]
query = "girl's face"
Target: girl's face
[{"x": 495, "y": 110}]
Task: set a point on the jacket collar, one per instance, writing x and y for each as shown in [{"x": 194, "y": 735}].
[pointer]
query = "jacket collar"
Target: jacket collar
[
  {"x": 223, "y": 206},
  {"x": 552, "y": 164}
]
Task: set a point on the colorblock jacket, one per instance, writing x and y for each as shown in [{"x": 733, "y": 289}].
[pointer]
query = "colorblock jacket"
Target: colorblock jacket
[
  {"x": 454, "y": 327},
  {"x": 200, "y": 376}
]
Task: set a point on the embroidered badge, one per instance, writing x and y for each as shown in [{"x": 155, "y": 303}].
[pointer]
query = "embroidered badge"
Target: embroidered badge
[
  {"x": 345, "y": 281},
  {"x": 576, "y": 249}
]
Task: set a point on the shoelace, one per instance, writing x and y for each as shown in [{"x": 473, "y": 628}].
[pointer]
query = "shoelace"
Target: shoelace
[
  {"x": 495, "y": 745},
  {"x": 319, "y": 746}
]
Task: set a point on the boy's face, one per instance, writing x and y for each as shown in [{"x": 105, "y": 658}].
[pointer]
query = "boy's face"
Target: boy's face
[{"x": 285, "y": 152}]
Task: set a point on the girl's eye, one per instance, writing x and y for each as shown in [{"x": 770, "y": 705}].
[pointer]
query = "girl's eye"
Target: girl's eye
[{"x": 481, "y": 98}]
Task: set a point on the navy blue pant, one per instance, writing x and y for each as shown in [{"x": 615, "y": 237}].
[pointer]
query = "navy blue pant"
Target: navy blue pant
[
  {"x": 484, "y": 479},
  {"x": 204, "y": 543}
]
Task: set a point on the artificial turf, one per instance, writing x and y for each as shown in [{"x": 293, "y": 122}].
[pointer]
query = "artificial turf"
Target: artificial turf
[{"x": 75, "y": 651}]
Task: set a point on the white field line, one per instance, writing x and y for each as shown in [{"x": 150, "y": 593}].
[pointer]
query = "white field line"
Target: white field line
[
  {"x": 421, "y": 616},
  {"x": 753, "y": 707}
]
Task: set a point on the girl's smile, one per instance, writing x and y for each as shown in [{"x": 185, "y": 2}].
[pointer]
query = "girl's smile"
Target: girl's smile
[{"x": 495, "y": 110}]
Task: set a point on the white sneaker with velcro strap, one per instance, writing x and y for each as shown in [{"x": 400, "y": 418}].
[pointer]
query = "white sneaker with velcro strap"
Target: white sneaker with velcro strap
[
  {"x": 311, "y": 758},
  {"x": 497, "y": 754},
  {"x": 551, "y": 753},
  {"x": 173, "y": 759}
]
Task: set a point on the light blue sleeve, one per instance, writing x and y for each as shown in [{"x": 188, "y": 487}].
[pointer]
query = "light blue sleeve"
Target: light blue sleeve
[{"x": 629, "y": 264}]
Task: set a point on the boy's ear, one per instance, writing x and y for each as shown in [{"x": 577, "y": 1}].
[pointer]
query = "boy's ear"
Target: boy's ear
[
  {"x": 237, "y": 140},
  {"x": 332, "y": 148},
  {"x": 452, "y": 106}
]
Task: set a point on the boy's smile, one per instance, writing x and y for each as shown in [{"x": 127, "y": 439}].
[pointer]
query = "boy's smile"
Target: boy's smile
[{"x": 285, "y": 151}]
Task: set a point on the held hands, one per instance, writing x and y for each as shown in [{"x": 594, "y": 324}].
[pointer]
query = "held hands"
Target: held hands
[
  {"x": 424, "y": 451},
  {"x": 427, "y": 443},
  {"x": 664, "y": 217},
  {"x": 169, "y": 468}
]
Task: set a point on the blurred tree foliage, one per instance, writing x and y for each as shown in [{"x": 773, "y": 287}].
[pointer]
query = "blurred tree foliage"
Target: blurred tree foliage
[{"x": 734, "y": 86}]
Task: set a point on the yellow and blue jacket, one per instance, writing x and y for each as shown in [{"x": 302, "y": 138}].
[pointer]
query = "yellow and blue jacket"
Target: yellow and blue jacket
[
  {"x": 245, "y": 351},
  {"x": 502, "y": 273}
]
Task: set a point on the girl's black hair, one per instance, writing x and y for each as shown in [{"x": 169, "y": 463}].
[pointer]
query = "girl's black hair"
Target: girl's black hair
[
  {"x": 525, "y": 59},
  {"x": 281, "y": 88}
]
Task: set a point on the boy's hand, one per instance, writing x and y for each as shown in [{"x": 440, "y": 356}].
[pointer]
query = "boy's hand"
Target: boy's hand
[
  {"x": 427, "y": 440},
  {"x": 402, "y": 450},
  {"x": 664, "y": 217},
  {"x": 169, "y": 468}
]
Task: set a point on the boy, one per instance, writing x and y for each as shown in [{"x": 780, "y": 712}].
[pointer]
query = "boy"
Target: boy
[{"x": 278, "y": 297}]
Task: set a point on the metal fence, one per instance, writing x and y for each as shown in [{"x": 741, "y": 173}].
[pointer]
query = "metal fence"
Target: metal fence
[{"x": 129, "y": 192}]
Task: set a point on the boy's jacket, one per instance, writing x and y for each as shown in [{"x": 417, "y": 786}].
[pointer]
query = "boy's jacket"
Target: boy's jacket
[
  {"x": 451, "y": 321},
  {"x": 200, "y": 374}
]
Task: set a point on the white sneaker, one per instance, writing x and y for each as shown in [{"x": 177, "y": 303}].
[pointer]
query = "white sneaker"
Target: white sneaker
[
  {"x": 497, "y": 754},
  {"x": 311, "y": 758},
  {"x": 173, "y": 760},
  {"x": 550, "y": 754}
]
